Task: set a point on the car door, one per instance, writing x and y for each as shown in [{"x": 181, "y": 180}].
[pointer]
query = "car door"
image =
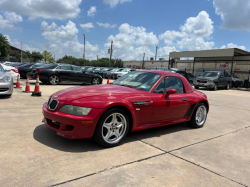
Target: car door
[
  {"x": 79, "y": 76},
  {"x": 175, "y": 106},
  {"x": 65, "y": 73}
]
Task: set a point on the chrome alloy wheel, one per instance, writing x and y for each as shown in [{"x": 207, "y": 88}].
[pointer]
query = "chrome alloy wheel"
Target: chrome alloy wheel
[
  {"x": 54, "y": 80},
  {"x": 96, "y": 81},
  {"x": 114, "y": 128},
  {"x": 201, "y": 115}
]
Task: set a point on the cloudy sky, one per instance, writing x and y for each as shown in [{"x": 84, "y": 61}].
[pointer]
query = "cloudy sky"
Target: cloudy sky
[{"x": 135, "y": 26}]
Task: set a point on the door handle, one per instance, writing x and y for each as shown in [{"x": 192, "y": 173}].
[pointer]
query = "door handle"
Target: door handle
[{"x": 184, "y": 99}]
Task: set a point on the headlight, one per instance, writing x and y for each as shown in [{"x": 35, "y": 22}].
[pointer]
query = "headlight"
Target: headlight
[
  {"x": 5, "y": 79},
  {"x": 75, "y": 110}
]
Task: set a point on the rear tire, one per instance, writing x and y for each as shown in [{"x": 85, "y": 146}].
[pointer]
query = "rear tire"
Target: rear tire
[
  {"x": 199, "y": 116},
  {"x": 95, "y": 81},
  {"x": 54, "y": 80},
  {"x": 112, "y": 128}
]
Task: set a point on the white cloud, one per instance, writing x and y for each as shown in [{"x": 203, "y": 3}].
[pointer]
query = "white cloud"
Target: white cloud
[
  {"x": 106, "y": 25},
  {"x": 53, "y": 32},
  {"x": 194, "y": 44},
  {"x": 63, "y": 40},
  {"x": 49, "y": 9},
  {"x": 113, "y": 3},
  {"x": 163, "y": 52},
  {"x": 231, "y": 45},
  {"x": 235, "y": 14},
  {"x": 192, "y": 34},
  {"x": 91, "y": 12},
  {"x": 10, "y": 19},
  {"x": 132, "y": 42},
  {"x": 170, "y": 36},
  {"x": 87, "y": 26},
  {"x": 200, "y": 26}
]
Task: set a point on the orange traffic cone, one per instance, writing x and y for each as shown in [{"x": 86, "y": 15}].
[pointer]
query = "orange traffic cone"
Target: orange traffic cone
[
  {"x": 37, "y": 88},
  {"x": 108, "y": 81},
  {"x": 18, "y": 85},
  {"x": 27, "y": 88}
]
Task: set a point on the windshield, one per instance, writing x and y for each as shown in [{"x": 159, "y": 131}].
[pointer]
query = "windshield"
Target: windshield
[
  {"x": 114, "y": 69},
  {"x": 210, "y": 74},
  {"x": 105, "y": 69},
  {"x": 89, "y": 68},
  {"x": 97, "y": 68},
  {"x": 125, "y": 70},
  {"x": 138, "y": 80}
]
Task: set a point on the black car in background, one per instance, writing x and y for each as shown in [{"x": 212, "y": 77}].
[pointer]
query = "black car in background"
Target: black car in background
[
  {"x": 66, "y": 73},
  {"x": 25, "y": 69},
  {"x": 181, "y": 72},
  {"x": 97, "y": 70},
  {"x": 236, "y": 81},
  {"x": 44, "y": 66},
  {"x": 191, "y": 78},
  {"x": 104, "y": 71}
]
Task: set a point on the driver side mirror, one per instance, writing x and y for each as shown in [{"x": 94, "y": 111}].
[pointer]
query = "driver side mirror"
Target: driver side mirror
[{"x": 170, "y": 91}]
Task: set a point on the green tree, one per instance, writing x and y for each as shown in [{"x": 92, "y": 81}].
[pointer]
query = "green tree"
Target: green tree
[
  {"x": 47, "y": 56},
  {"x": 4, "y": 46},
  {"x": 36, "y": 56},
  {"x": 16, "y": 55}
]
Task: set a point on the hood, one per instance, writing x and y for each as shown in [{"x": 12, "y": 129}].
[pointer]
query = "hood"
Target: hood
[
  {"x": 205, "y": 78},
  {"x": 80, "y": 92}
]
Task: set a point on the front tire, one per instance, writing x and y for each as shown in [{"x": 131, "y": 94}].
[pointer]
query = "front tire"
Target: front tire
[
  {"x": 112, "y": 128},
  {"x": 228, "y": 86},
  {"x": 54, "y": 80},
  {"x": 199, "y": 116}
]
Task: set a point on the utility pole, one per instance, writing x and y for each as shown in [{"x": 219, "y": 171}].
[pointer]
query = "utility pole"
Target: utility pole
[
  {"x": 143, "y": 61},
  {"x": 21, "y": 52},
  {"x": 156, "y": 52},
  {"x": 84, "y": 52},
  {"x": 111, "y": 51}
]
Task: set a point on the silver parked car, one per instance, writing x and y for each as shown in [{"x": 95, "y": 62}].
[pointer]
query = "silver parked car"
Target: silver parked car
[{"x": 6, "y": 83}]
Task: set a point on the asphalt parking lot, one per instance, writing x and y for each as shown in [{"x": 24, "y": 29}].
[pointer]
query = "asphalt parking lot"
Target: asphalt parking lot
[{"x": 177, "y": 155}]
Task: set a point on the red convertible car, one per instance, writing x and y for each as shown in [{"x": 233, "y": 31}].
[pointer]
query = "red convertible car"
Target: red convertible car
[{"x": 138, "y": 100}]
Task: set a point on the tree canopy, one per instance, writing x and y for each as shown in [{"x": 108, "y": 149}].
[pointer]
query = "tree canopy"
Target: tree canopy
[
  {"x": 4, "y": 46},
  {"x": 103, "y": 62},
  {"x": 47, "y": 57}
]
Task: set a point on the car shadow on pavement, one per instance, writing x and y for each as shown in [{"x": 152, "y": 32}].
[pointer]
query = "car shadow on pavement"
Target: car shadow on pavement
[
  {"x": 49, "y": 138},
  {"x": 4, "y": 97}
]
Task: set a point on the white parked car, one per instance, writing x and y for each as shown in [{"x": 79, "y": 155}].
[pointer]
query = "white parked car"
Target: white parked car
[
  {"x": 124, "y": 72},
  {"x": 11, "y": 70}
]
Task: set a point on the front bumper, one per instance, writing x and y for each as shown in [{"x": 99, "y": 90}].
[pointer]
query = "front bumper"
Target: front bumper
[
  {"x": 205, "y": 85},
  {"x": 71, "y": 126},
  {"x": 6, "y": 88}
]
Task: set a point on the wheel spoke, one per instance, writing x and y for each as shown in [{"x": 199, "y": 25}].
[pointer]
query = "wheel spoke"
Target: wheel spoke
[{"x": 109, "y": 134}]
